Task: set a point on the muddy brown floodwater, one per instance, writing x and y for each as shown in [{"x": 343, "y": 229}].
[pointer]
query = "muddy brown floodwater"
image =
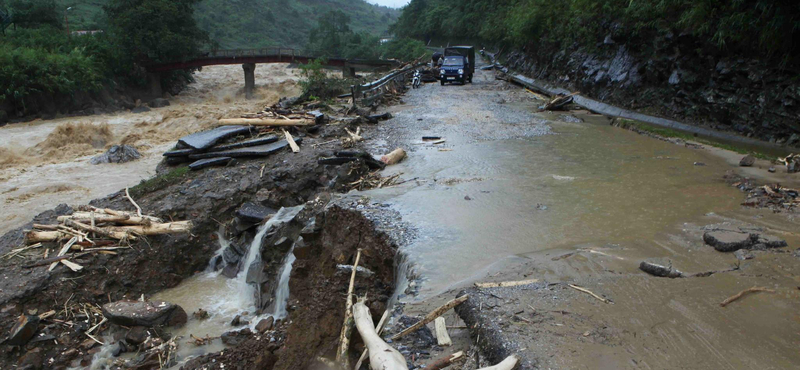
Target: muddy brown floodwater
[
  {"x": 514, "y": 194},
  {"x": 43, "y": 163}
]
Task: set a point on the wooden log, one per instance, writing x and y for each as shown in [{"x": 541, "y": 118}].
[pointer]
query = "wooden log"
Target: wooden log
[
  {"x": 506, "y": 283},
  {"x": 176, "y": 227},
  {"x": 506, "y": 364},
  {"x": 45, "y": 227},
  {"x": 378, "y": 329},
  {"x": 129, "y": 214},
  {"x": 441, "y": 332},
  {"x": 63, "y": 251},
  {"x": 123, "y": 219},
  {"x": 347, "y": 326},
  {"x": 381, "y": 355},
  {"x": 71, "y": 265},
  {"x": 107, "y": 232},
  {"x": 446, "y": 361},
  {"x": 35, "y": 236},
  {"x": 394, "y": 157},
  {"x": 290, "y": 140},
  {"x": 266, "y": 122},
  {"x": 431, "y": 316}
]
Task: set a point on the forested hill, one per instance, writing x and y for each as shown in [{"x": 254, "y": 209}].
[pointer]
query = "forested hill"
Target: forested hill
[{"x": 257, "y": 23}]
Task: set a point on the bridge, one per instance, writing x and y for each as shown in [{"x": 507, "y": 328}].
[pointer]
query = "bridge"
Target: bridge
[{"x": 248, "y": 58}]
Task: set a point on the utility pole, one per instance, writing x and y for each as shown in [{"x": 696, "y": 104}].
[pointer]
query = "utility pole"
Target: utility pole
[{"x": 66, "y": 19}]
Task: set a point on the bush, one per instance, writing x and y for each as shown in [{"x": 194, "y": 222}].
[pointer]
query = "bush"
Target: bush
[{"x": 316, "y": 83}]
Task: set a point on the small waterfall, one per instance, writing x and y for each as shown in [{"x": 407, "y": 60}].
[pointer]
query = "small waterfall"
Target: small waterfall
[
  {"x": 282, "y": 292},
  {"x": 247, "y": 291},
  {"x": 223, "y": 245}
]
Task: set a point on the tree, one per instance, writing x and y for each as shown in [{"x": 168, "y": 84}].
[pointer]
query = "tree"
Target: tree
[
  {"x": 34, "y": 13},
  {"x": 156, "y": 30},
  {"x": 331, "y": 34}
]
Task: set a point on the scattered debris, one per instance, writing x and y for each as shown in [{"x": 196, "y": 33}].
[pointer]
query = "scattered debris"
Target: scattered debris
[
  {"x": 381, "y": 355},
  {"x": 731, "y": 241},
  {"x": 559, "y": 102},
  {"x": 742, "y": 293},
  {"x": 291, "y": 142},
  {"x": 774, "y": 197},
  {"x": 792, "y": 162},
  {"x": 431, "y": 316},
  {"x": 23, "y": 330},
  {"x": 446, "y": 361}
]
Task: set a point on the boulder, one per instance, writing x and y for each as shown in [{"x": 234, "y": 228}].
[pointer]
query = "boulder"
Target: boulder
[
  {"x": 32, "y": 360},
  {"x": 747, "y": 161},
  {"x": 148, "y": 314},
  {"x": 265, "y": 325},
  {"x": 158, "y": 103},
  {"x": 23, "y": 330},
  {"x": 117, "y": 154},
  {"x": 233, "y": 338}
]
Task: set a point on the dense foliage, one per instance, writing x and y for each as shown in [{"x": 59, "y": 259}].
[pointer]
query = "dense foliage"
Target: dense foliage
[
  {"x": 257, "y": 23},
  {"x": 333, "y": 37},
  {"x": 770, "y": 27}
]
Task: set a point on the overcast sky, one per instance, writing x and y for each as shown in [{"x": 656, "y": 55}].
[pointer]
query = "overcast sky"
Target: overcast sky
[{"x": 392, "y": 3}]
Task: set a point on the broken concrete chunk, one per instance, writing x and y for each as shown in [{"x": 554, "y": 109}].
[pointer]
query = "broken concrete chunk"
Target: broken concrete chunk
[
  {"x": 207, "y": 139},
  {"x": 252, "y": 212},
  {"x": 148, "y": 314},
  {"x": 729, "y": 241},
  {"x": 23, "y": 330},
  {"x": 747, "y": 161}
]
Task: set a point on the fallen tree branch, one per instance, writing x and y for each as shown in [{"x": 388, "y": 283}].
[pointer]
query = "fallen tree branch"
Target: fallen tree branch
[
  {"x": 138, "y": 209},
  {"x": 431, "y": 316},
  {"x": 587, "y": 291},
  {"x": 347, "y": 327},
  {"x": 506, "y": 283},
  {"x": 378, "y": 329},
  {"x": 445, "y": 361},
  {"x": 153, "y": 229},
  {"x": 442, "y": 338},
  {"x": 742, "y": 294},
  {"x": 109, "y": 232}
]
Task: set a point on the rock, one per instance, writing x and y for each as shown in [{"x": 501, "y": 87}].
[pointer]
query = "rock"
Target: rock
[
  {"x": 201, "y": 314},
  {"x": 771, "y": 170},
  {"x": 252, "y": 212},
  {"x": 32, "y": 360},
  {"x": 135, "y": 313},
  {"x": 117, "y": 154},
  {"x": 743, "y": 254},
  {"x": 729, "y": 241},
  {"x": 140, "y": 109},
  {"x": 239, "y": 321},
  {"x": 137, "y": 335},
  {"x": 747, "y": 161},
  {"x": 699, "y": 164},
  {"x": 158, "y": 103},
  {"x": 793, "y": 140},
  {"x": 233, "y": 338},
  {"x": 659, "y": 270},
  {"x": 674, "y": 78},
  {"x": 23, "y": 330},
  {"x": 265, "y": 324}
]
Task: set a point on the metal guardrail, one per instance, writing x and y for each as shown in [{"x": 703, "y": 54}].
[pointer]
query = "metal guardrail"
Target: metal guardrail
[{"x": 369, "y": 92}]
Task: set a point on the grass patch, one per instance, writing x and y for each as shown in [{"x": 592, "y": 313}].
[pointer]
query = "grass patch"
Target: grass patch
[
  {"x": 672, "y": 133},
  {"x": 159, "y": 182}
]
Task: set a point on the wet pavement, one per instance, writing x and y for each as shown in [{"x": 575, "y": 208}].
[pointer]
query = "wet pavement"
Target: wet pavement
[{"x": 515, "y": 194}]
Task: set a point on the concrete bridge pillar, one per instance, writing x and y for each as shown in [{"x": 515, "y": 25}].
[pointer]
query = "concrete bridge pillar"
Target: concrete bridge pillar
[
  {"x": 249, "y": 79},
  {"x": 154, "y": 83}
]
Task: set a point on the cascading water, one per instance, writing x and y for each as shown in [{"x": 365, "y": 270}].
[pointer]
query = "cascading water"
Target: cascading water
[
  {"x": 282, "y": 292},
  {"x": 246, "y": 291}
]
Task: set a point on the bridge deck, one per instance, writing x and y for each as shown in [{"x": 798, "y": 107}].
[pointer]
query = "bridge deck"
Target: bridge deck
[{"x": 268, "y": 55}]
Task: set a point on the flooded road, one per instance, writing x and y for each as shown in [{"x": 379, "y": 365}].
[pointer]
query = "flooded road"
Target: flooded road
[
  {"x": 518, "y": 194},
  {"x": 45, "y": 163}
]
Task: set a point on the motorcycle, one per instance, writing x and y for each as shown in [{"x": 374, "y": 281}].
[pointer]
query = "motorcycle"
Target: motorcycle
[{"x": 416, "y": 80}]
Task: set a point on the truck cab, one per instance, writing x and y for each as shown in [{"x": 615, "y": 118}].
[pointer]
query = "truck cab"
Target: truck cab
[
  {"x": 454, "y": 69},
  {"x": 461, "y": 58}
]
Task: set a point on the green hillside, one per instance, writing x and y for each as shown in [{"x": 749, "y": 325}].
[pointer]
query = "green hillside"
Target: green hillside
[{"x": 235, "y": 24}]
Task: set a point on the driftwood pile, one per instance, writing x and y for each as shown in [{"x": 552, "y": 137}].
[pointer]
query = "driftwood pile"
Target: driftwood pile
[
  {"x": 559, "y": 102},
  {"x": 252, "y": 135},
  {"x": 94, "y": 230},
  {"x": 775, "y": 197}
]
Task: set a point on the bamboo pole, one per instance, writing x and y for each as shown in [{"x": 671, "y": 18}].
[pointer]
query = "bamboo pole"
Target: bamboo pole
[
  {"x": 431, "y": 316},
  {"x": 347, "y": 326}
]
